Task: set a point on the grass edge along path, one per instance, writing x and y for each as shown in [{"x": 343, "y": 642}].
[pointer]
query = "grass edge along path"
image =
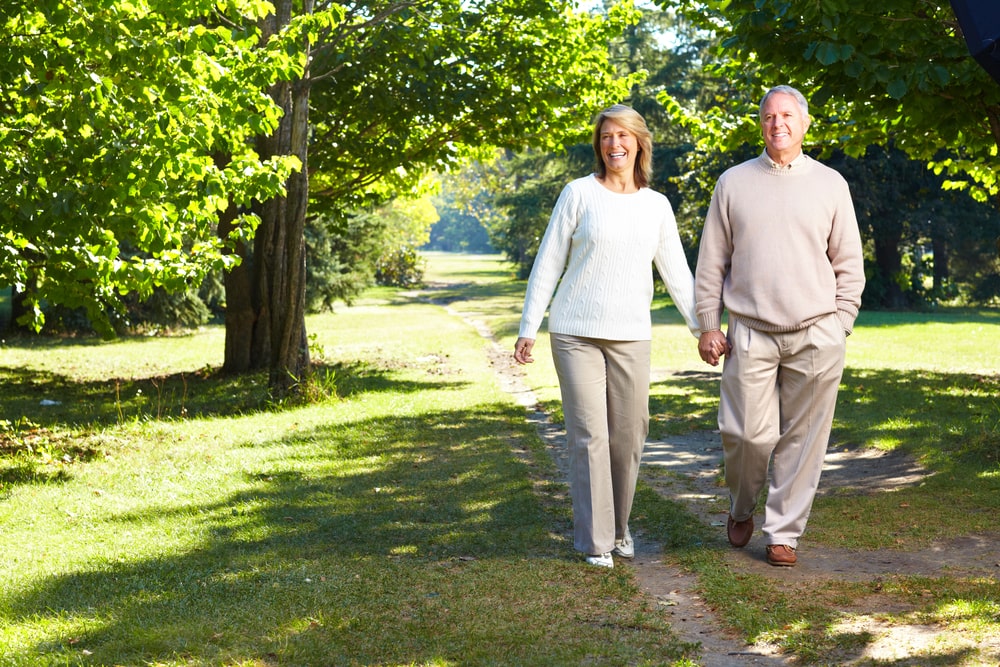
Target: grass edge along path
[{"x": 410, "y": 520}]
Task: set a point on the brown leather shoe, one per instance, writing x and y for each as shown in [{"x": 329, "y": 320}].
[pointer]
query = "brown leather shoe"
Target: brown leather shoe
[
  {"x": 781, "y": 555},
  {"x": 739, "y": 532}
]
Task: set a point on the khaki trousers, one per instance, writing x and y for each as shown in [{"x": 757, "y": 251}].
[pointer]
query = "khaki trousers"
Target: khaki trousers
[
  {"x": 605, "y": 396},
  {"x": 778, "y": 394}
]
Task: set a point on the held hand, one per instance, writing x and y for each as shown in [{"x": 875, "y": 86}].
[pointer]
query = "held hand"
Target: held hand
[
  {"x": 522, "y": 350},
  {"x": 712, "y": 345}
]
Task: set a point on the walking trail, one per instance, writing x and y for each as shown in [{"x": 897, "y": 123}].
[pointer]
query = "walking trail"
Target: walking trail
[{"x": 693, "y": 463}]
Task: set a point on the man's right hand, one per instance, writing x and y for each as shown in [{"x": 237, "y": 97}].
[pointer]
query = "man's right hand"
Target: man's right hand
[{"x": 712, "y": 345}]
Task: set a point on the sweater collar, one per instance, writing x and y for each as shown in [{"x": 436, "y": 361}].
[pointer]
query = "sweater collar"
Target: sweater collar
[{"x": 797, "y": 163}]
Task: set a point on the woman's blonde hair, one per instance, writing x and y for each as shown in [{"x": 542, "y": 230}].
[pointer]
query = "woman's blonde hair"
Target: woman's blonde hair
[{"x": 632, "y": 121}]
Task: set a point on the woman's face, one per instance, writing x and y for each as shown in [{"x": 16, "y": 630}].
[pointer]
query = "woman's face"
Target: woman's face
[{"x": 619, "y": 148}]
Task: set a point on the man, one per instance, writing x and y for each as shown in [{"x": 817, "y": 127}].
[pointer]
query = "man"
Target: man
[{"x": 781, "y": 252}]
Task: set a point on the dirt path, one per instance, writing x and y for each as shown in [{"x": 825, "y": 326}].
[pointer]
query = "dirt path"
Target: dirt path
[{"x": 686, "y": 468}]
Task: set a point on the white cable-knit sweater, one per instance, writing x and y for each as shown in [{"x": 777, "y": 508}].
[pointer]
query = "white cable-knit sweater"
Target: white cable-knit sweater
[{"x": 603, "y": 245}]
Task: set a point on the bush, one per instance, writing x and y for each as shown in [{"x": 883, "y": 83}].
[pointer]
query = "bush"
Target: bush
[{"x": 401, "y": 267}]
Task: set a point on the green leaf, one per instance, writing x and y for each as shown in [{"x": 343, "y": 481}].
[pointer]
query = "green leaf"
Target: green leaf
[{"x": 827, "y": 53}]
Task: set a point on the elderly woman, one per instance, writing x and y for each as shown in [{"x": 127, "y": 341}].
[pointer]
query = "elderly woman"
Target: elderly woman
[{"x": 606, "y": 231}]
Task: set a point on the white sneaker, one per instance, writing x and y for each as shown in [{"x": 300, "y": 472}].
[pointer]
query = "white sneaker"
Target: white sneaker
[
  {"x": 624, "y": 548},
  {"x": 601, "y": 560}
]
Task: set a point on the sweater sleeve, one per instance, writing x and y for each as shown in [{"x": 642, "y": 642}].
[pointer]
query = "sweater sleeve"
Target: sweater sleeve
[
  {"x": 672, "y": 264},
  {"x": 847, "y": 259},
  {"x": 714, "y": 257},
  {"x": 550, "y": 262}
]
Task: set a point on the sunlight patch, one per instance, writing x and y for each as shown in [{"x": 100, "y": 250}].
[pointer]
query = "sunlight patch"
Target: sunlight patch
[{"x": 889, "y": 642}]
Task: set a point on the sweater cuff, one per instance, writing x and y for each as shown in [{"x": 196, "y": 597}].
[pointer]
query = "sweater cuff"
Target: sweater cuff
[
  {"x": 710, "y": 321},
  {"x": 846, "y": 321}
]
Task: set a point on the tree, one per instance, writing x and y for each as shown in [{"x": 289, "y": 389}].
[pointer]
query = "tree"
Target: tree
[
  {"x": 391, "y": 89},
  {"x": 110, "y": 119},
  {"x": 897, "y": 74},
  {"x": 893, "y": 72},
  {"x": 659, "y": 53},
  {"x": 525, "y": 186}
]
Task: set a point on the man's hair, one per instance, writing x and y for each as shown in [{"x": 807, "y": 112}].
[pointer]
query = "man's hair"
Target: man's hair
[
  {"x": 632, "y": 121},
  {"x": 788, "y": 90}
]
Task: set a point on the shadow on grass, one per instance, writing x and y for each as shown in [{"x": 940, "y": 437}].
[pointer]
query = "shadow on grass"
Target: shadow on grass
[
  {"x": 683, "y": 402},
  {"x": 47, "y": 418},
  {"x": 52, "y": 399},
  {"x": 473, "y": 292},
  {"x": 945, "y": 419},
  {"x": 383, "y": 541}
]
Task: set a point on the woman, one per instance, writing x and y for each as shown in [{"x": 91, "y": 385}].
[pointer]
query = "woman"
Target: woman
[{"x": 605, "y": 232}]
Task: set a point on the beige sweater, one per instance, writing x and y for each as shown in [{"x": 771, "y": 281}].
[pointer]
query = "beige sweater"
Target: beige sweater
[
  {"x": 599, "y": 248},
  {"x": 780, "y": 248}
]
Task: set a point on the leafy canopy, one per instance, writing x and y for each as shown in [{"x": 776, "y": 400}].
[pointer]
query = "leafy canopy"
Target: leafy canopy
[
  {"x": 894, "y": 72},
  {"x": 436, "y": 82},
  {"x": 113, "y": 118}
]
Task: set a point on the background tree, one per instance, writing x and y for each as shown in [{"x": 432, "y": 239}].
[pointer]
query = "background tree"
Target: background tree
[
  {"x": 464, "y": 207},
  {"x": 895, "y": 72},
  {"x": 525, "y": 186},
  {"x": 407, "y": 222},
  {"x": 909, "y": 222},
  {"x": 898, "y": 75},
  {"x": 660, "y": 53}
]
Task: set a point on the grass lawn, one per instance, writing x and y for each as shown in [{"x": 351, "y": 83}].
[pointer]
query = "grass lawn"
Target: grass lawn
[{"x": 153, "y": 512}]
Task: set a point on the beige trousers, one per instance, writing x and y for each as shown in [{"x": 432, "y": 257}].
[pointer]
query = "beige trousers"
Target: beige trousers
[
  {"x": 605, "y": 395},
  {"x": 778, "y": 395}
]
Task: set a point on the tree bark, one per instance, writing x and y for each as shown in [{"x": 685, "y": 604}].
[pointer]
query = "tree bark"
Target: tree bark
[
  {"x": 889, "y": 263},
  {"x": 240, "y": 309},
  {"x": 267, "y": 326}
]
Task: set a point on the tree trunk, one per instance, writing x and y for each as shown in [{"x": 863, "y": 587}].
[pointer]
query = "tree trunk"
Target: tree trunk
[
  {"x": 240, "y": 310},
  {"x": 889, "y": 263},
  {"x": 266, "y": 328}
]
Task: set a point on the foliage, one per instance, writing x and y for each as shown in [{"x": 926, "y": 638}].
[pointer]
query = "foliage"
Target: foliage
[
  {"x": 432, "y": 82},
  {"x": 905, "y": 216},
  {"x": 342, "y": 250},
  {"x": 463, "y": 205},
  {"x": 896, "y": 72},
  {"x": 356, "y": 249},
  {"x": 111, "y": 117},
  {"x": 526, "y": 185},
  {"x": 400, "y": 267},
  {"x": 407, "y": 221}
]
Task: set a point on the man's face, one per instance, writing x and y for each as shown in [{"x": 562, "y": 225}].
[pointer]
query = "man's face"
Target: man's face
[{"x": 783, "y": 125}]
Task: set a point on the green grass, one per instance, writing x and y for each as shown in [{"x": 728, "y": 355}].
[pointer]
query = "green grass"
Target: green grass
[
  {"x": 927, "y": 384},
  {"x": 172, "y": 516},
  {"x": 155, "y": 512}
]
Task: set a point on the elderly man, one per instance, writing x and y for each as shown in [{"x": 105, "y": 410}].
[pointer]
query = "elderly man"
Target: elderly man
[{"x": 781, "y": 251}]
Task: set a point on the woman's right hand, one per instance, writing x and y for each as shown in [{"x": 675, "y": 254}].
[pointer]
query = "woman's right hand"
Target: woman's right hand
[{"x": 522, "y": 350}]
